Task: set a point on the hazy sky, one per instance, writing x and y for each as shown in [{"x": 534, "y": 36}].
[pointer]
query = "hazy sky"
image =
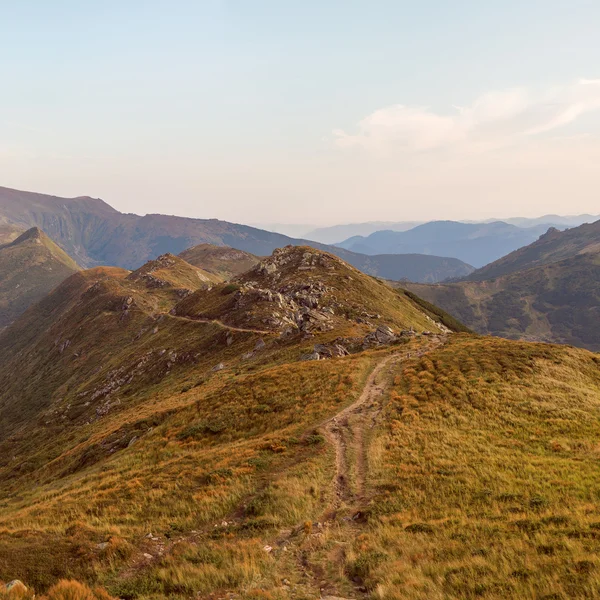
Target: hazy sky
[{"x": 318, "y": 111}]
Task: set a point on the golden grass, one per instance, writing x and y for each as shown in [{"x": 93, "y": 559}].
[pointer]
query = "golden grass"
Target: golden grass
[{"x": 487, "y": 476}]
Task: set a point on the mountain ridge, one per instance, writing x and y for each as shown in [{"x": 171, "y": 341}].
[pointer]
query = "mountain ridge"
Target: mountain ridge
[
  {"x": 94, "y": 233},
  {"x": 474, "y": 243},
  {"x": 548, "y": 291}
]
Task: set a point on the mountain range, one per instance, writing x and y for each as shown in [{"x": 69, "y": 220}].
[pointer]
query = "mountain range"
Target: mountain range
[
  {"x": 477, "y": 244},
  {"x": 547, "y": 291},
  {"x": 93, "y": 233},
  {"x": 336, "y": 234}
]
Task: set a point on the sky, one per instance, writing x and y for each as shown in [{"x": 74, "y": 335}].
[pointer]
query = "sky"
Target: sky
[{"x": 319, "y": 112}]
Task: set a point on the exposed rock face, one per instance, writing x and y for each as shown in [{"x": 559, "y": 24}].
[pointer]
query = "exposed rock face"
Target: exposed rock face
[{"x": 381, "y": 336}]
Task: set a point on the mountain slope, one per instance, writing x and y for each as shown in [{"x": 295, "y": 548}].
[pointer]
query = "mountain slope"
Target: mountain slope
[
  {"x": 30, "y": 266},
  {"x": 550, "y": 292},
  {"x": 553, "y": 246},
  {"x": 222, "y": 261},
  {"x": 476, "y": 244},
  {"x": 111, "y": 363},
  {"x": 9, "y": 233},
  {"x": 300, "y": 289},
  {"x": 94, "y": 233},
  {"x": 192, "y": 445}
]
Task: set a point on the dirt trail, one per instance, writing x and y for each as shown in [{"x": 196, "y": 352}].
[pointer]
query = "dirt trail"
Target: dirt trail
[
  {"x": 347, "y": 431},
  {"x": 221, "y": 324}
]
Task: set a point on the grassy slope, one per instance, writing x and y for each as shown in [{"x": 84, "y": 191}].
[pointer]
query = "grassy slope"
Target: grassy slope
[
  {"x": 557, "y": 302},
  {"x": 479, "y": 449},
  {"x": 487, "y": 472},
  {"x": 30, "y": 266}
]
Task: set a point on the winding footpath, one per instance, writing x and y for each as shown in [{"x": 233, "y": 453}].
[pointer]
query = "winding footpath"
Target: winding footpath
[{"x": 347, "y": 430}]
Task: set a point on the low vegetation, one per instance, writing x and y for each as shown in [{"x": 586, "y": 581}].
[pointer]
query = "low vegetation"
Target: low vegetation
[{"x": 155, "y": 444}]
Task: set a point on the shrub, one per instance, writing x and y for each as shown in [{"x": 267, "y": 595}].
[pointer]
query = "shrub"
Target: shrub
[
  {"x": 230, "y": 288},
  {"x": 73, "y": 590}
]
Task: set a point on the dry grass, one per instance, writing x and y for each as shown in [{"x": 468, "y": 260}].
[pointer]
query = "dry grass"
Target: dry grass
[{"x": 487, "y": 476}]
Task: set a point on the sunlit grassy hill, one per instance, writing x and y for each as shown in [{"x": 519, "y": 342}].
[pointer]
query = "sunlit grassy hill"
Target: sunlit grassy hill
[{"x": 168, "y": 444}]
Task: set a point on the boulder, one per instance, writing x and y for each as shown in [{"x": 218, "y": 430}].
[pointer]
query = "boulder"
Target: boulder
[
  {"x": 323, "y": 350},
  {"x": 311, "y": 356},
  {"x": 385, "y": 334}
]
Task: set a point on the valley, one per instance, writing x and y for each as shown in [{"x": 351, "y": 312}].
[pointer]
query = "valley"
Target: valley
[{"x": 547, "y": 291}]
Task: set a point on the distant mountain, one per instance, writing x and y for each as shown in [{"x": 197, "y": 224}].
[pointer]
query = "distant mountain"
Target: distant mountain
[
  {"x": 294, "y": 230},
  {"x": 30, "y": 266},
  {"x": 556, "y": 220},
  {"x": 223, "y": 261},
  {"x": 553, "y": 246},
  {"x": 9, "y": 233},
  {"x": 338, "y": 233},
  {"x": 548, "y": 291},
  {"x": 94, "y": 233},
  {"x": 475, "y": 244}
]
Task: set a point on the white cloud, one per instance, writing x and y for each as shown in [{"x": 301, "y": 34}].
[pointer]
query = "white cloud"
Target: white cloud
[{"x": 495, "y": 119}]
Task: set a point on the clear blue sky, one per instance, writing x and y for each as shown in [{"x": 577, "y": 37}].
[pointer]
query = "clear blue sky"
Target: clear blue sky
[{"x": 304, "y": 111}]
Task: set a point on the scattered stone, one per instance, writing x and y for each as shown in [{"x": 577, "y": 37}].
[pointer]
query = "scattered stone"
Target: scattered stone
[
  {"x": 268, "y": 549},
  {"x": 132, "y": 441},
  {"x": 148, "y": 556},
  {"x": 260, "y": 344},
  {"x": 311, "y": 356},
  {"x": 218, "y": 367},
  {"x": 102, "y": 545}
]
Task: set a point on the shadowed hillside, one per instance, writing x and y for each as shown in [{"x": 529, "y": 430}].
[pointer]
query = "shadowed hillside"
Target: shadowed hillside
[
  {"x": 550, "y": 291},
  {"x": 30, "y": 266},
  {"x": 551, "y": 247}
]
